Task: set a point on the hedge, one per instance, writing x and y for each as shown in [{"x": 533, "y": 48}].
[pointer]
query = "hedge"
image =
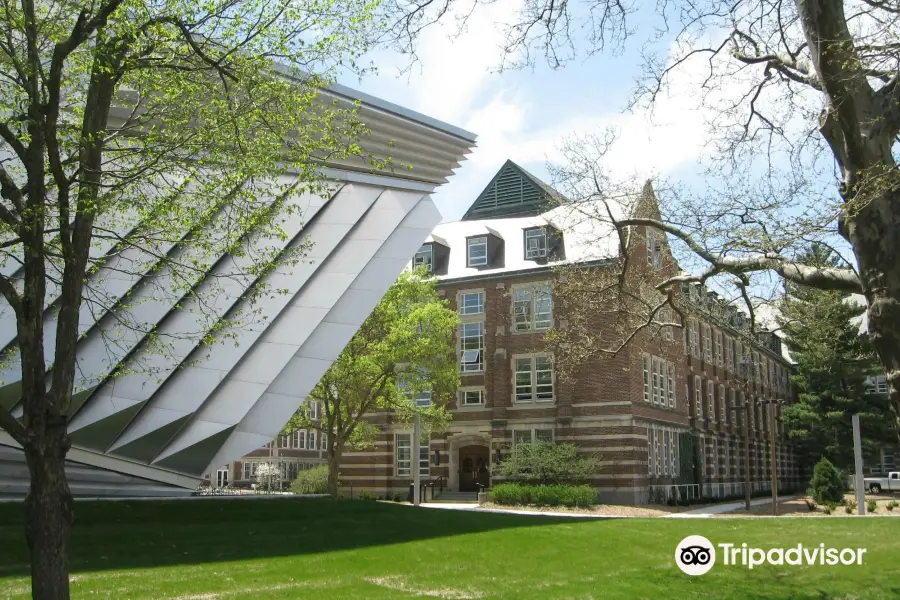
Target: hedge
[{"x": 543, "y": 495}]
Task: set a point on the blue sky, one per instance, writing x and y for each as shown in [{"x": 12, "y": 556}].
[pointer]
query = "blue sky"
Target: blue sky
[{"x": 524, "y": 115}]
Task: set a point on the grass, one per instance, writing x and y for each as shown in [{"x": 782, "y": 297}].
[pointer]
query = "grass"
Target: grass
[{"x": 214, "y": 549}]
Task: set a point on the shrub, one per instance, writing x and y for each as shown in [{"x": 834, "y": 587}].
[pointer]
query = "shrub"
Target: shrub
[
  {"x": 543, "y": 495},
  {"x": 367, "y": 496},
  {"x": 829, "y": 509},
  {"x": 892, "y": 505},
  {"x": 871, "y": 506},
  {"x": 810, "y": 504},
  {"x": 545, "y": 463},
  {"x": 311, "y": 481},
  {"x": 826, "y": 485},
  {"x": 850, "y": 507}
]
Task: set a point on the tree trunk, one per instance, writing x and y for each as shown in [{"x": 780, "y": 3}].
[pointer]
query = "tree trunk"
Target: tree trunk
[
  {"x": 335, "y": 452},
  {"x": 49, "y": 515},
  {"x": 875, "y": 235}
]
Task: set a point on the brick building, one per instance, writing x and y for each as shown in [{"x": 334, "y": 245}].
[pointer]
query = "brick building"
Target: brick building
[{"x": 665, "y": 415}]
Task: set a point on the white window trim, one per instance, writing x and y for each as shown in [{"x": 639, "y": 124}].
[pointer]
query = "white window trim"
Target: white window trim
[
  {"x": 532, "y": 428},
  {"x": 698, "y": 397},
  {"x": 470, "y": 388},
  {"x": 459, "y": 305},
  {"x": 478, "y": 241},
  {"x": 723, "y": 403},
  {"x": 534, "y": 399},
  {"x": 459, "y": 339},
  {"x": 711, "y": 400},
  {"x": 540, "y": 252},
  {"x": 430, "y": 264},
  {"x": 530, "y": 286},
  {"x": 663, "y": 450},
  {"x": 646, "y": 363}
]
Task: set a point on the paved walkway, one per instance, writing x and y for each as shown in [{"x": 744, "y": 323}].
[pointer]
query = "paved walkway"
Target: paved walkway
[
  {"x": 696, "y": 513},
  {"x": 540, "y": 513},
  {"x": 718, "y": 509}
]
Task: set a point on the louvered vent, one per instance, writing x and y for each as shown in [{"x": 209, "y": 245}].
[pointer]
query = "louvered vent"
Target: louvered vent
[{"x": 512, "y": 192}]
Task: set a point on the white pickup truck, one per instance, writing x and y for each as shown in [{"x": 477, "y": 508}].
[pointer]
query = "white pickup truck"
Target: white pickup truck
[{"x": 891, "y": 483}]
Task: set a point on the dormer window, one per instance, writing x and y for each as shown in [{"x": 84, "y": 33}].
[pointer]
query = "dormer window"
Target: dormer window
[
  {"x": 535, "y": 243},
  {"x": 425, "y": 258},
  {"x": 477, "y": 252}
]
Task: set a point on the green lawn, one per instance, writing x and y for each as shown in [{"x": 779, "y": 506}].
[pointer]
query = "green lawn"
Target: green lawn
[{"x": 225, "y": 548}]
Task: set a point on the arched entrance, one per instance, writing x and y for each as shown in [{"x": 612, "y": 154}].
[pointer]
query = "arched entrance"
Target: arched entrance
[
  {"x": 470, "y": 460},
  {"x": 474, "y": 468}
]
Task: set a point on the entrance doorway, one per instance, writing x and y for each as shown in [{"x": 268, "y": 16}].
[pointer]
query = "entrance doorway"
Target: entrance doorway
[
  {"x": 473, "y": 468},
  {"x": 222, "y": 477}
]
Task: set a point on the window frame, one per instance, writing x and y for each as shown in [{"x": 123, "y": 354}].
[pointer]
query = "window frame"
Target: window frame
[
  {"x": 478, "y": 240},
  {"x": 461, "y": 393},
  {"x": 460, "y": 305},
  {"x": 481, "y": 364},
  {"x": 711, "y": 399},
  {"x": 429, "y": 265},
  {"x": 533, "y": 398},
  {"x": 698, "y": 397},
  {"x": 545, "y": 249},
  {"x": 532, "y": 289}
]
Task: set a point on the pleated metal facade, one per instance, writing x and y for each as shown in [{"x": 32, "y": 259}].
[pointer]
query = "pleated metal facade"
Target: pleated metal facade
[{"x": 172, "y": 417}]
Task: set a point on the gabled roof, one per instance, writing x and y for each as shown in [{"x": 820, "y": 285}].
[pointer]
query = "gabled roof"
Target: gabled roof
[{"x": 513, "y": 192}]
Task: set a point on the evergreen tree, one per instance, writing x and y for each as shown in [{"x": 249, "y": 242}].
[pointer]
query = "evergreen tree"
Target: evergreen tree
[{"x": 833, "y": 360}]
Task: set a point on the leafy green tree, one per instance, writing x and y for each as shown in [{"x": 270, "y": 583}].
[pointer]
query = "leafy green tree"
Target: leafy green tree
[
  {"x": 402, "y": 360},
  {"x": 546, "y": 462},
  {"x": 311, "y": 481},
  {"x": 833, "y": 360},
  {"x": 826, "y": 485},
  {"x": 126, "y": 129}
]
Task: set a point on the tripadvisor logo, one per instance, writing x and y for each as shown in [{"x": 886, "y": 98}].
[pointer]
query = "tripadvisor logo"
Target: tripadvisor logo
[{"x": 696, "y": 555}]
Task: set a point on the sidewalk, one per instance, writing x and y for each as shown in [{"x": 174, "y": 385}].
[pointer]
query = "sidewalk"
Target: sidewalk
[
  {"x": 718, "y": 509},
  {"x": 696, "y": 513}
]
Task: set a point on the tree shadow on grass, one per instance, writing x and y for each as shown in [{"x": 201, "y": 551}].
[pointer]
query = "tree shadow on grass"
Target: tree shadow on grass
[{"x": 136, "y": 534}]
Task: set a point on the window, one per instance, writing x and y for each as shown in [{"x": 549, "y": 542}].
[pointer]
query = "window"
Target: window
[
  {"x": 402, "y": 449},
  {"x": 662, "y": 451},
  {"x": 471, "y": 303},
  {"x": 876, "y": 385},
  {"x": 300, "y": 439},
  {"x": 535, "y": 434},
  {"x": 311, "y": 440},
  {"x": 698, "y": 397},
  {"x": 250, "y": 469},
  {"x": 646, "y": 378},
  {"x": 471, "y": 397},
  {"x": 654, "y": 250},
  {"x": 659, "y": 381},
  {"x": 533, "y": 308},
  {"x": 425, "y": 258},
  {"x": 733, "y": 409},
  {"x": 535, "y": 243},
  {"x": 477, "y": 251},
  {"x": 711, "y": 400},
  {"x": 666, "y": 315},
  {"x": 729, "y": 354},
  {"x": 471, "y": 346},
  {"x": 714, "y": 456},
  {"x": 707, "y": 343},
  {"x": 284, "y": 441},
  {"x": 724, "y": 409},
  {"x": 533, "y": 378},
  {"x": 718, "y": 347},
  {"x": 313, "y": 410},
  {"x": 694, "y": 338},
  {"x": 670, "y": 372}
]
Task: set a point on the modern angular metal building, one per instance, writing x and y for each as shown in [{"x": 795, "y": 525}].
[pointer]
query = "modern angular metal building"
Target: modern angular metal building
[{"x": 143, "y": 435}]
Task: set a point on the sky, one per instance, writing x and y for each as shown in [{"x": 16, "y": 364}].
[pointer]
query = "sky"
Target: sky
[{"x": 524, "y": 115}]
